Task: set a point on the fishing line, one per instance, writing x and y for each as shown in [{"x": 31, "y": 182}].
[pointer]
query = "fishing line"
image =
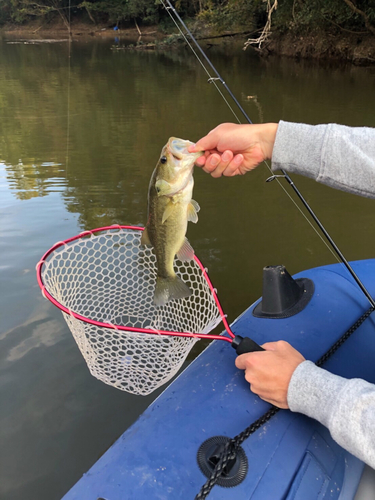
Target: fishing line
[
  {"x": 68, "y": 104},
  {"x": 332, "y": 245},
  {"x": 210, "y": 78},
  {"x": 213, "y": 80}
]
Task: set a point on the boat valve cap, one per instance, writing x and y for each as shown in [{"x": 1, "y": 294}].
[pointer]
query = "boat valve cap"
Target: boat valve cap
[{"x": 209, "y": 454}]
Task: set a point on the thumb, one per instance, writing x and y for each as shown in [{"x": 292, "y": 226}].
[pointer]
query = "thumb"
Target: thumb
[{"x": 206, "y": 143}]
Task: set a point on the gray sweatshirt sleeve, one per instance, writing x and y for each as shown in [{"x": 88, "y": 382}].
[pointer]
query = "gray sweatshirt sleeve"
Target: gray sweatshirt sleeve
[
  {"x": 344, "y": 158},
  {"x": 345, "y": 406},
  {"x": 339, "y": 156}
]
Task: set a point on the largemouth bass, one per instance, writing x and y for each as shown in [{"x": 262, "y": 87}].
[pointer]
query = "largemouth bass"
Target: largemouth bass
[{"x": 170, "y": 207}]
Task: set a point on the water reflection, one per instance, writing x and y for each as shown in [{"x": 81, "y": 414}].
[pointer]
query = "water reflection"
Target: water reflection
[
  {"x": 31, "y": 180},
  {"x": 44, "y": 333}
]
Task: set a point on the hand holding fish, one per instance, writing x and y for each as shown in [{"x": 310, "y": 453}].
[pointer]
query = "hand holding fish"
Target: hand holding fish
[
  {"x": 232, "y": 149},
  {"x": 269, "y": 372}
]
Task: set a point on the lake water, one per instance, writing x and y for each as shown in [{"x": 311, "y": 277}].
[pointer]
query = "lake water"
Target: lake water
[{"x": 81, "y": 129}]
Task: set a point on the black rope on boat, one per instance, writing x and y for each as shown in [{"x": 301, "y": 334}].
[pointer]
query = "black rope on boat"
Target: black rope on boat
[
  {"x": 230, "y": 450},
  {"x": 345, "y": 337}
]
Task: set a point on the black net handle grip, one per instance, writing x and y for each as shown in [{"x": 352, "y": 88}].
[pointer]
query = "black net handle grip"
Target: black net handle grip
[{"x": 245, "y": 344}]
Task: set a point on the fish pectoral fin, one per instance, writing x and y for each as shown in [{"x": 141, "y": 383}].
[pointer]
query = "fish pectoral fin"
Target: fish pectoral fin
[
  {"x": 167, "y": 212},
  {"x": 145, "y": 239},
  {"x": 195, "y": 205},
  {"x": 186, "y": 252},
  {"x": 192, "y": 210},
  {"x": 163, "y": 187}
]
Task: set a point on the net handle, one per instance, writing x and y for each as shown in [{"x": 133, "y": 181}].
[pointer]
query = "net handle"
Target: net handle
[{"x": 111, "y": 326}]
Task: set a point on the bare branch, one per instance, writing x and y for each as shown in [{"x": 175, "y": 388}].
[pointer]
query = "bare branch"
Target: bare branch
[
  {"x": 62, "y": 15},
  {"x": 88, "y": 12},
  {"x": 267, "y": 28},
  {"x": 136, "y": 25},
  {"x": 355, "y": 9}
]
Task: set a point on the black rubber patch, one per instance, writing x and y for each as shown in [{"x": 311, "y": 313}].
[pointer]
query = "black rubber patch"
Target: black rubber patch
[
  {"x": 307, "y": 291},
  {"x": 208, "y": 456}
]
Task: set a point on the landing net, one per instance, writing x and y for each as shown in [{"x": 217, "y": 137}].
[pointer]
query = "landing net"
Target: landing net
[{"x": 104, "y": 281}]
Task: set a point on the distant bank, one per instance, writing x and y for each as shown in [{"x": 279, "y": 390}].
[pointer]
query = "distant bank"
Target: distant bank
[{"x": 355, "y": 48}]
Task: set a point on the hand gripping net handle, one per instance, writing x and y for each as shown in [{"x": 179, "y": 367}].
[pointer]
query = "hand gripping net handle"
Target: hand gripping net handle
[{"x": 103, "y": 281}]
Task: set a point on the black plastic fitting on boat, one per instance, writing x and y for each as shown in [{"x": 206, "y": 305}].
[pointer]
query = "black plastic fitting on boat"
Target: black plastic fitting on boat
[
  {"x": 209, "y": 454},
  {"x": 283, "y": 296}
]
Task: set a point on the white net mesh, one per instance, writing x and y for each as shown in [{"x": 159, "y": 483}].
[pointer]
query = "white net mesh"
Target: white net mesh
[{"x": 110, "y": 278}]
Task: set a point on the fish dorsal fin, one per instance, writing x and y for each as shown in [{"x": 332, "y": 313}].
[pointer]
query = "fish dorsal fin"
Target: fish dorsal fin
[
  {"x": 145, "y": 239},
  {"x": 193, "y": 209},
  {"x": 167, "y": 212},
  {"x": 186, "y": 252},
  {"x": 163, "y": 187}
]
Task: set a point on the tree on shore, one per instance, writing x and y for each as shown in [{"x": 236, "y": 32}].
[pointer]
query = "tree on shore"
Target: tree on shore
[{"x": 257, "y": 16}]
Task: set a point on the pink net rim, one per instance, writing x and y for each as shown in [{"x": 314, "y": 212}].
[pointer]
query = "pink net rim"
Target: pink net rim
[{"x": 111, "y": 326}]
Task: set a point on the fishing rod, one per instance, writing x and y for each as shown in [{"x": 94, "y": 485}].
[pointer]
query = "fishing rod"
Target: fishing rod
[{"x": 218, "y": 77}]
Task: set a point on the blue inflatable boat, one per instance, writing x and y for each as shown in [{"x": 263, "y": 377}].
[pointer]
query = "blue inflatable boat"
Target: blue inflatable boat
[{"x": 172, "y": 448}]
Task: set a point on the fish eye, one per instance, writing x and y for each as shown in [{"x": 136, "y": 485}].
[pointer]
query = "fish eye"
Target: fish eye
[{"x": 163, "y": 159}]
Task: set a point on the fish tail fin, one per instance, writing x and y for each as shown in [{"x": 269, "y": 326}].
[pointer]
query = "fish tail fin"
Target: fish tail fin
[{"x": 170, "y": 288}]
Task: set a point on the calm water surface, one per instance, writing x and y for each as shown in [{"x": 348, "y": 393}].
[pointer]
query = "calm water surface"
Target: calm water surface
[{"x": 80, "y": 132}]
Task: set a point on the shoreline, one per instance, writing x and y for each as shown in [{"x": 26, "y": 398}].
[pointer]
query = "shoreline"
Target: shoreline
[
  {"x": 349, "y": 48},
  {"x": 77, "y": 31}
]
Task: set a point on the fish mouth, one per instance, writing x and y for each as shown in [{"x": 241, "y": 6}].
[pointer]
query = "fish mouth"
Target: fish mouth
[{"x": 179, "y": 148}]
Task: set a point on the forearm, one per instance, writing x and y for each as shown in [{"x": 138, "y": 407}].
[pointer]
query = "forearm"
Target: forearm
[
  {"x": 345, "y": 407},
  {"x": 339, "y": 156}
]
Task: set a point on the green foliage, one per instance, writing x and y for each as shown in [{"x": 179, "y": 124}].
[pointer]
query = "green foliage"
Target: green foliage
[
  {"x": 111, "y": 11},
  {"x": 5, "y": 11},
  {"x": 301, "y": 16},
  {"x": 232, "y": 14},
  {"x": 291, "y": 15},
  {"x": 116, "y": 11},
  {"x": 20, "y": 11},
  {"x": 221, "y": 15}
]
